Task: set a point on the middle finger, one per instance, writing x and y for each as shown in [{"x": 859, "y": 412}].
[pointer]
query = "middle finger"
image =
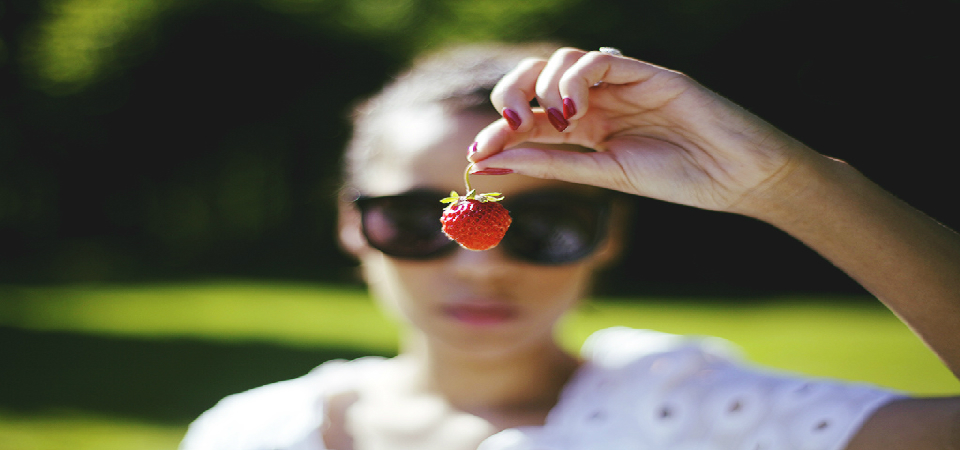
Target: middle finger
[{"x": 548, "y": 91}]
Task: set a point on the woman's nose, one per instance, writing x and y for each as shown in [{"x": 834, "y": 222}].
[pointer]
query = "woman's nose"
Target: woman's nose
[{"x": 482, "y": 265}]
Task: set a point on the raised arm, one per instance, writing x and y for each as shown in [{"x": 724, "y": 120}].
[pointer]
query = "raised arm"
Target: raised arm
[
  {"x": 906, "y": 259},
  {"x": 659, "y": 134}
]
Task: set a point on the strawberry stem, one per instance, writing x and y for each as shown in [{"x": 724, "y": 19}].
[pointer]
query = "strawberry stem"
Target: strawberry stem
[
  {"x": 471, "y": 193},
  {"x": 466, "y": 176}
]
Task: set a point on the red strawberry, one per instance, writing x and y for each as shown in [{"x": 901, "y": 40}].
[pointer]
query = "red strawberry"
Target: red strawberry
[{"x": 475, "y": 221}]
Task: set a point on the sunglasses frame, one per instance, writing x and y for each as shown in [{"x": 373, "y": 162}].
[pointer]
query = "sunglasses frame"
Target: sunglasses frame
[{"x": 601, "y": 203}]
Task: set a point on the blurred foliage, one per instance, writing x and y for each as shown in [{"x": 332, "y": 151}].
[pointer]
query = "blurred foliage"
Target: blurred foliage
[
  {"x": 79, "y": 41},
  {"x": 170, "y": 139}
]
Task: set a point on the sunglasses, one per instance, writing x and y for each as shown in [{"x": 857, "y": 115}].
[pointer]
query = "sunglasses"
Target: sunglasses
[{"x": 549, "y": 227}]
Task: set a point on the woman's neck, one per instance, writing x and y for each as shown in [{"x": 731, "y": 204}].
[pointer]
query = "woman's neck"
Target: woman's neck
[{"x": 508, "y": 388}]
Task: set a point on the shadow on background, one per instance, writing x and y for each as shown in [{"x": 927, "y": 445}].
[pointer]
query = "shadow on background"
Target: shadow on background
[{"x": 164, "y": 380}]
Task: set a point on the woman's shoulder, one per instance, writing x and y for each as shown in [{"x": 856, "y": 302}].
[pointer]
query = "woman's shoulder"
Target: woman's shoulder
[
  {"x": 617, "y": 347},
  {"x": 673, "y": 391},
  {"x": 286, "y": 414}
]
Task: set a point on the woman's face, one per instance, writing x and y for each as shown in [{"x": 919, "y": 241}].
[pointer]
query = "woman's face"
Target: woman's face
[{"x": 476, "y": 301}]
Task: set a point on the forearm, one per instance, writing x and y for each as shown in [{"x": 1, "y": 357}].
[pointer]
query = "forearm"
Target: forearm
[{"x": 906, "y": 259}]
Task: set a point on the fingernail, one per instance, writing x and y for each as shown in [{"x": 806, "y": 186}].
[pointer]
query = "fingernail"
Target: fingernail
[
  {"x": 513, "y": 119},
  {"x": 473, "y": 148},
  {"x": 492, "y": 171},
  {"x": 569, "y": 109},
  {"x": 557, "y": 119}
]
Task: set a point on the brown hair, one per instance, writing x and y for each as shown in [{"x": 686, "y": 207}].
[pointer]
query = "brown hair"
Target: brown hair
[{"x": 458, "y": 78}]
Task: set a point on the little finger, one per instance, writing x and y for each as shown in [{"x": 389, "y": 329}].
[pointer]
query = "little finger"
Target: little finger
[{"x": 596, "y": 69}]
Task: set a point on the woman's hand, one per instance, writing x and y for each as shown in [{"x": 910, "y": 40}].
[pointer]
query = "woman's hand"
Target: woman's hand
[
  {"x": 656, "y": 132},
  {"x": 659, "y": 134}
]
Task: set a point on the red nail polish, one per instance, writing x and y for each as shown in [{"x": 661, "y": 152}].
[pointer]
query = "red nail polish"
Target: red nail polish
[
  {"x": 556, "y": 119},
  {"x": 492, "y": 171},
  {"x": 513, "y": 119},
  {"x": 569, "y": 109}
]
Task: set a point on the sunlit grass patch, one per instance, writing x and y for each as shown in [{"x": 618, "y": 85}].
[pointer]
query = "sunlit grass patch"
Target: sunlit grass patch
[
  {"x": 74, "y": 431},
  {"x": 286, "y": 313},
  {"x": 821, "y": 337},
  {"x": 830, "y": 337},
  {"x": 852, "y": 340}
]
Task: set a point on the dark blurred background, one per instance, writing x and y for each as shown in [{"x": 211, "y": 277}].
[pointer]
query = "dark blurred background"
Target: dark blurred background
[{"x": 157, "y": 139}]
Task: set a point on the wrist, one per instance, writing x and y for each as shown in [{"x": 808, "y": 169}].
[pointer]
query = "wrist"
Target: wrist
[{"x": 801, "y": 191}]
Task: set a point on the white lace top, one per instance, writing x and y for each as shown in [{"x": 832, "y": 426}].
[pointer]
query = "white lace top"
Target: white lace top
[{"x": 637, "y": 390}]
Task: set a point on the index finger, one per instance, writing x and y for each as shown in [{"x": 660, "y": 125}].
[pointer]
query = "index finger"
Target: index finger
[{"x": 497, "y": 136}]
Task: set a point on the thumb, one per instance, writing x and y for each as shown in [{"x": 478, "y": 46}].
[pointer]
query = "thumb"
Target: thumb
[{"x": 582, "y": 167}]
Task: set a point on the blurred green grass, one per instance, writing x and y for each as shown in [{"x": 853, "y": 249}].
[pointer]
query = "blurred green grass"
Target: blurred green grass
[
  {"x": 71, "y": 430},
  {"x": 845, "y": 338}
]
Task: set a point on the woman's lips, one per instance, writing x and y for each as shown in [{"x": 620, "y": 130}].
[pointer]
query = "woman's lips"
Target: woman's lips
[{"x": 481, "y": 313}]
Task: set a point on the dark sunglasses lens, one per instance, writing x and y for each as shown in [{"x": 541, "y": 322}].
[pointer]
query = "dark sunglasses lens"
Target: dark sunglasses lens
[
  {"x": 556, "y": 229},
  {"x": 404, "y": 226}
]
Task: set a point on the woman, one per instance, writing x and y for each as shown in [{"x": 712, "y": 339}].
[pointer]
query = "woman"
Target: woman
[{"x": 479, "y": 366}]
